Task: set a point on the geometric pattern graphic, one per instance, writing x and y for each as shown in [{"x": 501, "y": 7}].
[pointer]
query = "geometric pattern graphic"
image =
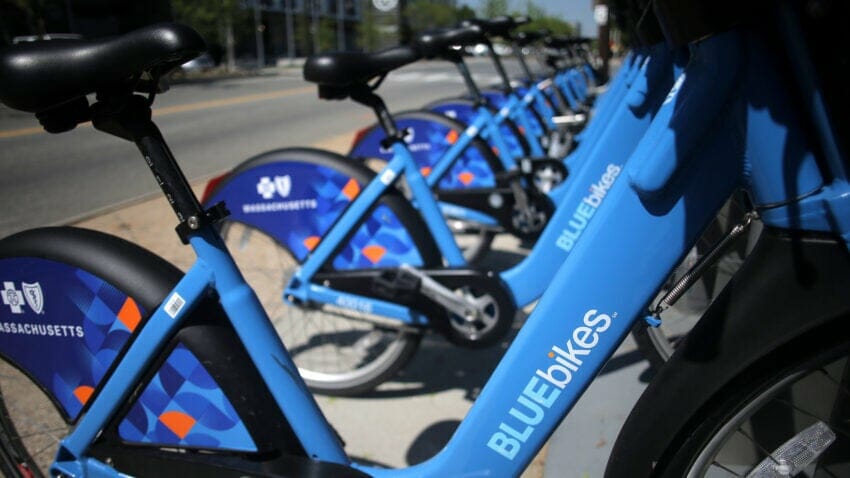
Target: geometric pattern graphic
[
  {"x": 81, "y": 327},
  {"x": 498, "y": 100},
  {"x": 317, "y": 197},
  {"x": 381, "y": 241},
  {"x": 430, "y": 142},
  {"x": 466, "y": 113},
  {"x": 183, "y": 406}
]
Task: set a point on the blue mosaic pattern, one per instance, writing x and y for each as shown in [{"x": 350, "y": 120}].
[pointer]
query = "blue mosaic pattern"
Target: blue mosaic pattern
[
  {"x": 68, "y": 345},
  {"x": 466, "y": 113},
  {"x": 427, "y": 144},
  {"x": 183, "y": 406},
  {"x": 317, "y": 195},
  {"x": 498, "y": 100}
]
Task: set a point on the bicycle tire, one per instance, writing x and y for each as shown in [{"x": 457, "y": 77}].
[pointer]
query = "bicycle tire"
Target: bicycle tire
[
  {"x": 745, "y": 342},
  {"x": 475, "y": 244},
  {"x": 33, "y": 455},
  {"x": 763, "y": 407},
  {"x": 267, "y": 267}
]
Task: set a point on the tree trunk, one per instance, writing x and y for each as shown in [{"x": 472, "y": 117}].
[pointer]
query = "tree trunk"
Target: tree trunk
[{"x": 229, "y": 44}]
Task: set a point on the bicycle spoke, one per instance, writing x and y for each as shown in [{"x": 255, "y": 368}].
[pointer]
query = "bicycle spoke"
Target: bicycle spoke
[
  {"x": 766, "y": 453},
  {"x": 833, "y": 426},
  {"x": 823, "y": 468},
  {"x": 838, "y": 386}
]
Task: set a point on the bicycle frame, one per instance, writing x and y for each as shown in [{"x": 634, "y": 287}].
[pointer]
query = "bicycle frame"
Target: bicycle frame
[{"x": 300, "y": 286}]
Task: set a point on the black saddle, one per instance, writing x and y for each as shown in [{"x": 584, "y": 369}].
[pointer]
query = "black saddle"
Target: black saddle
[
  {"x": 439, "y": 43},
  {"x": 499, "y": 26},
  {"x": 528, "y": 38},
  {"x": 563, "y": 41},
  {"x": 337, "y": 72},
  {"x": 38, "y": 76}
]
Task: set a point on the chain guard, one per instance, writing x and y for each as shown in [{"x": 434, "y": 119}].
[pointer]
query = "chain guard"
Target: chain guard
[{"x": 396, "y": 286}]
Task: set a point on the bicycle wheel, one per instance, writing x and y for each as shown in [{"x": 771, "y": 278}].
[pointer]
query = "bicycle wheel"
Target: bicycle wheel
[
  {"x": 337, "y": 351},
  {"x": 786, "y": 415},
  {"x": 30, "y": 425},
  {"x": 473, "y": 240}
]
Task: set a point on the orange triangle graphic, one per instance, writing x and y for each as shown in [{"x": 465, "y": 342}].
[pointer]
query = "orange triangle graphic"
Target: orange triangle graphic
[
  {"x": 452, "y": 137},
  {"x": 310, "y": 242},
  {"x": 83, "y": 393},
  {"x": 178, "y": 422},
  {"x": 351, "y": 189},
  {"x": 374, "y": 253},
  {"x": 129, "y": 315}
]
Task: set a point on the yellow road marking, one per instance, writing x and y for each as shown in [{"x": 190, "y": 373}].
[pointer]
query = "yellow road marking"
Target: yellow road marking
[
  {"x": 236, "y": 100},
  {"x": 12, "y": 133},
  {"x": 201, "y": 105}
]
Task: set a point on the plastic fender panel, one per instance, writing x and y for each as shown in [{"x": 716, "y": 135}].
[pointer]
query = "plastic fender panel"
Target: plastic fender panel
[
  {"x": 63, "y": 326},
  {"x": 498, "y": 100},
  {"x": 465, "y": 112},
  {"x": 296, "y": 202},
  {"x": 428, "y": 140},
  {"x": 183, "y": 406}
]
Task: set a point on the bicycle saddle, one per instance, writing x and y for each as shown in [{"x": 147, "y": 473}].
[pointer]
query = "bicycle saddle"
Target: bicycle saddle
[
  {"x": 558, "y": 41},
  {"x": 347, "y": 68},
  {"x": 499, "y": 26},
  {"x": 38, "y": 76},
  {"x": 527, "y": 38},
  {"x": 439, "y": 43}
]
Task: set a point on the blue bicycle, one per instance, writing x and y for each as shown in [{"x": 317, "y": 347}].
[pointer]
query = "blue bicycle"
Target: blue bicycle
[{"x": 136, "y": 370}]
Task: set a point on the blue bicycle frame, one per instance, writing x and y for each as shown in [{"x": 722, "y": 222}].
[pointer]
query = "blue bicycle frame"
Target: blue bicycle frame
[{"x": 300, "y": 286}]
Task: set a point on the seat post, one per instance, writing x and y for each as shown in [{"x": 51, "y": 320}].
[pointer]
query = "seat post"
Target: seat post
[
  {"x": 365, "y": 95},
  {"x": 467, "y": 78},
  {"x": 521, "y": 58},
  {"x": 500, "y": 69},
  {"x": 130, "y": 118}
]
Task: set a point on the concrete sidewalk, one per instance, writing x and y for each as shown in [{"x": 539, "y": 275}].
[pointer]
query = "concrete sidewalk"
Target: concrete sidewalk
[{"x": 410, "y": 418}]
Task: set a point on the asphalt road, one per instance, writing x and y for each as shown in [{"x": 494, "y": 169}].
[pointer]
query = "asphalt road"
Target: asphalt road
[{"x": 210, "y": 125}]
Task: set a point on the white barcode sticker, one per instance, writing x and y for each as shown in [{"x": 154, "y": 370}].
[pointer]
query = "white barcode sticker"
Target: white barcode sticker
[{"x": 174, "y": 305}]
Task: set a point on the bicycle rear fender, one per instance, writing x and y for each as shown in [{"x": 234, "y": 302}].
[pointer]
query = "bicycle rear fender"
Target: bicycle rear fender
[
  {"x": 465, "y": 111},
  {"x": 295, "y": 195},
  {"x": 498, "y": 99},
  {"x": 790, "y": 284},
  {"x": 429, "y": 136},
  {"x": 73, "y": 302},
  {"x": 64, "y": 325}
]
